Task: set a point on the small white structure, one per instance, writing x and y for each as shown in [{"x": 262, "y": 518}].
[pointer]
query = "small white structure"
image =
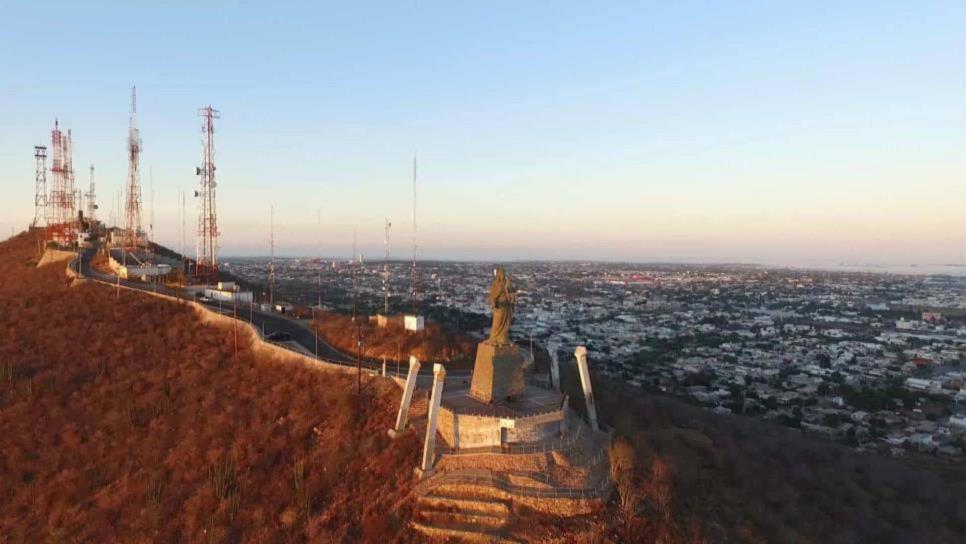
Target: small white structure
[
  {"x": 414, "y": 323},
  {"x": 225, "y": 295}
]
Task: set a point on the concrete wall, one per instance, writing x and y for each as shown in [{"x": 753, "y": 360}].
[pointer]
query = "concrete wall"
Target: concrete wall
[
  {"x": 55, "y": 255},
  {"x": 485, "y": 431}
]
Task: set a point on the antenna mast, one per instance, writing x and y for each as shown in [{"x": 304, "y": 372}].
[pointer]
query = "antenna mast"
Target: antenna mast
[
  {"x": 415, "y": 247},
  {"x": 354, "y": 273},
  {"x": 385, "y": 273},
  {"x": 40, "y": 182},
  {"x": 132, "y": 210},
  {"x": 206, "y": 263},
  {"x": 271, "y": 259},
  {"x": 91, "y": 200}
]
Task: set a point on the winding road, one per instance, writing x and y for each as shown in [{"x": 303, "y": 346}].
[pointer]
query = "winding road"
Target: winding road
[{"x": 268, "y": 323}]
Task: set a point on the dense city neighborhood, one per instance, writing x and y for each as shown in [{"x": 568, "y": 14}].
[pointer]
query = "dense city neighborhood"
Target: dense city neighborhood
[{"x": 872, "y": 360}]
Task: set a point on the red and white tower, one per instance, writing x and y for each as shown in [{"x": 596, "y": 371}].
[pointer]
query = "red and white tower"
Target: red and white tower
[
  {"x": 40, "y": 182},
  {"x": 132, "y": 206},
  {"x": 206, "y": 265},
  {"x": 60, "y": 212}
]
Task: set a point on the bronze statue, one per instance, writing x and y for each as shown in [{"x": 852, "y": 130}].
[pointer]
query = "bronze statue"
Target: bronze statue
[{"x": 502, "y": 299}]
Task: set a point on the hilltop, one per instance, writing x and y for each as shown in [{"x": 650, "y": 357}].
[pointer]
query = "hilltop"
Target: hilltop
[{"x": 130, "y": 419}]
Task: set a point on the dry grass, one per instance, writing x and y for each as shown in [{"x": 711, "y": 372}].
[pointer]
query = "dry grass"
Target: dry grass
[
  {"x": 130, "y": 420},
  {"x": 433, "y": 345}
]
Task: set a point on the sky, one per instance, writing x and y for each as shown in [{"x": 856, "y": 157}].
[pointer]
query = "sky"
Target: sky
[{"x": 770, "y": 132}]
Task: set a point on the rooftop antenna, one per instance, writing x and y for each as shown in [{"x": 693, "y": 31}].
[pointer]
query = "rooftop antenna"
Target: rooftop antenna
[
  {"x": 40, "y": 183},
  {"x": 271, "y": 259},
  {"x": 415, "y": 246},
  {"x": 385, "y": 273}
]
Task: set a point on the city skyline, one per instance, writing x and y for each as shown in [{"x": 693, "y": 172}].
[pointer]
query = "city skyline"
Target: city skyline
[{"x": 759, "y": 134}]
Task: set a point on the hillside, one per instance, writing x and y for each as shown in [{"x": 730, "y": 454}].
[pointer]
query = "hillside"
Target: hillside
[
  {"x": 128, "y": 419},
  {"x": 435, "y": 344},
  {"x": 745, "y": 480}
]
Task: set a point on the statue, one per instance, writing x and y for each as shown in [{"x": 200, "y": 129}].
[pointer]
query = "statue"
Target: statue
[
  {"x": 502, "y": 299},
  {"x": 498, "y": 371}
]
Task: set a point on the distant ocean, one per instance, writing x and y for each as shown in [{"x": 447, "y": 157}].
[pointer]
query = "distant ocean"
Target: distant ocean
[{"x": 909, "y": 269}]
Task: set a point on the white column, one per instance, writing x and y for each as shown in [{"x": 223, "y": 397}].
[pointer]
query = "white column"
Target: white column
[
  {"x": 554, "y": 367},
  {"x": 407, "y": 397},
  {"x": 429, "y": 446},
  {"x": 581, "y": 353}
]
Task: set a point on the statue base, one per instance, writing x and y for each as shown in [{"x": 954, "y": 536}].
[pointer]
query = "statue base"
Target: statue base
[{"x": 497, "y": 373}]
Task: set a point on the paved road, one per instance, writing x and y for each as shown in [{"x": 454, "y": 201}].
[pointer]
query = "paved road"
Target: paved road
[{"x": 266, "y": 322}]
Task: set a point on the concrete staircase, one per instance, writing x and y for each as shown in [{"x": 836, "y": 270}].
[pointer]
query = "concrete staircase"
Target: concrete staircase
[{"x": 463, "y": 517}]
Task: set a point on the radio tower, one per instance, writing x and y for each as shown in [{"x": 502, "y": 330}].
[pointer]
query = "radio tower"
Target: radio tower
[
  {"x": 271, "y": 258},
  {"x": 60, "y": 219},
  {"x": 132, "y": 207},
  {"x": 206, "y": 265},
  {"x": 415, "y": 247},
  {"x": 91, "y": 199},
  {"x": 40, "y": 194},
  {"x": 385, "y": 273}
]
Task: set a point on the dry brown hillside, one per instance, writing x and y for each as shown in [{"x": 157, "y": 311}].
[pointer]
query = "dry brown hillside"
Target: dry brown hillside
[
  {"x": 129, "y": 420},
  {"x": 435, "y": 344}
]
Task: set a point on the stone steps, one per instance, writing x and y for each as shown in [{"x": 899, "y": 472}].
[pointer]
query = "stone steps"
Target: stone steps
[
  {"x": 462, "y": 518},
  {"x": 460, "y": 533},
  {"x": 465, "y": 504}
]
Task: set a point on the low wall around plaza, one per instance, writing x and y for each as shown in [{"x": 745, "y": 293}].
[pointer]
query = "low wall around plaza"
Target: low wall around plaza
[{"x": 467, "y": 431}]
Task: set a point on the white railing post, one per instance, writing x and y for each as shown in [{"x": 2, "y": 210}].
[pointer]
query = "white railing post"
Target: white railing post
[
  {"x": 581, "y": 354},
  {"x": 429, "y": 446},
  {"x": 407, "y": 397}
]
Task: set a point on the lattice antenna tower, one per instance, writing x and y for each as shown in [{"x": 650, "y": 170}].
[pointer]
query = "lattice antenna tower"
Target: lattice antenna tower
[
  {"x": 385, "y": 272},
  {"x": 415, "y": 246},
  {"x": 132, "y": 205},
  {"x": 60, "y": 224},
  {"x": 40, "y": 185},
  {"x": 206, "y": 265},
  {"x": 91, "y": 200}
]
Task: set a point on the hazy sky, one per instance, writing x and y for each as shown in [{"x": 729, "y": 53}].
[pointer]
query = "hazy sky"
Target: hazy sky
[{"x": 772, "y": 132}]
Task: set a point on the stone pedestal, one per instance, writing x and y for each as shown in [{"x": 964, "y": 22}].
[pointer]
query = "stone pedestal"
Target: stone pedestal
[{"x": 497, "y": 373}]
